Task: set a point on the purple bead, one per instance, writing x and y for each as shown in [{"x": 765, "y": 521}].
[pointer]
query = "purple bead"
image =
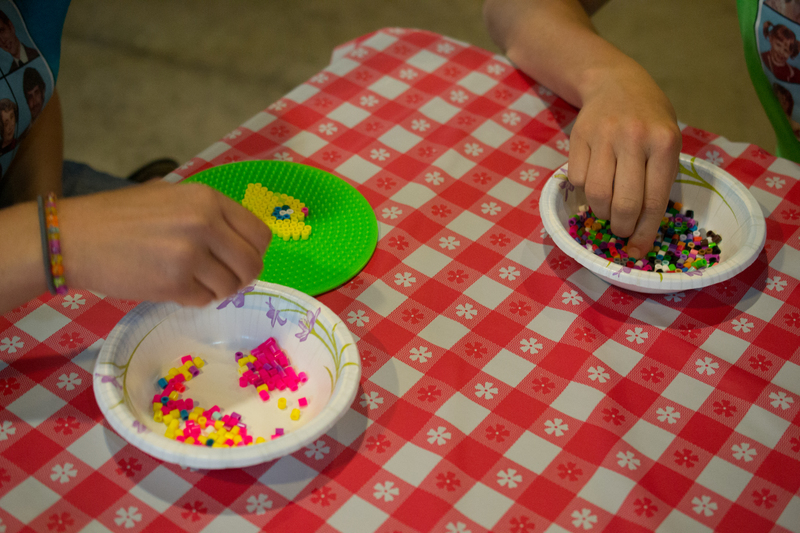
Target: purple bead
[{"x": 55, "y": 247}]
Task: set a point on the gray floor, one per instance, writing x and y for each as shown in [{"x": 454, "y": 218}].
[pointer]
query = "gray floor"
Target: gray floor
[{"x": 142, "y": 79}]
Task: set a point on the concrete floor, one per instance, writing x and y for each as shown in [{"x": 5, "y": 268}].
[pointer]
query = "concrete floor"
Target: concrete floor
[{"x": 142, "y": 79}]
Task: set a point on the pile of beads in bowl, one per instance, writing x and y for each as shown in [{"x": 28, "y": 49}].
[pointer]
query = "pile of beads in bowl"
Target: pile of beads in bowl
[
  {"x": 680, "y": 245},
  {"x": 190, "y": 423},
  {"x": 267, "y": 368},
  {"x": 284, "y": 214}
]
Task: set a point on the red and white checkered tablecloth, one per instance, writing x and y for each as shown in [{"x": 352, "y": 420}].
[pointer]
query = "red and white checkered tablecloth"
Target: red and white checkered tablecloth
[{"x": 504, "y": 387}]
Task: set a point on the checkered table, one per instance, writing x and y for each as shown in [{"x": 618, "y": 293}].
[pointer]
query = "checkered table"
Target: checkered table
[{"x": 504, "y": 387}]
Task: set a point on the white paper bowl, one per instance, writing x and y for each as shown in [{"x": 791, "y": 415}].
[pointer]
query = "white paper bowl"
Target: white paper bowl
[
  {"x": 719, "y": 201},
  {"x": 152, "y": 338}
]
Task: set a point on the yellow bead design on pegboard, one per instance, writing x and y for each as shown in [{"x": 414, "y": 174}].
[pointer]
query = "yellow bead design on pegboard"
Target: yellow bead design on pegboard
[{"x": 284, "y": 214}]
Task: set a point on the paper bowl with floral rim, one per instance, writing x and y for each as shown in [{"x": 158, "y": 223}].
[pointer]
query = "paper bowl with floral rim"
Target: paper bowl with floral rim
[
  {"x": 719, "y": 201},
  {"x": 153, "y": 337}
]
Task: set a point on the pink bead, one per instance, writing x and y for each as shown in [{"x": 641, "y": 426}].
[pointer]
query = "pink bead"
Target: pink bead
[{"x": 302, "y": 402}]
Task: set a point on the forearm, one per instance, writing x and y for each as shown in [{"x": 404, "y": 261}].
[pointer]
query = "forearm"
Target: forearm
[
  {"x": 554, "y": 42},
  {"x": 36, "y": 169},
  {"x": 625, "y": 141}
]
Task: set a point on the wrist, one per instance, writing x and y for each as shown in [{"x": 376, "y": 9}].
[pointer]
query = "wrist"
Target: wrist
[
  {"x": 72, "y": 250},
  {"x": 614, "y": 71}
]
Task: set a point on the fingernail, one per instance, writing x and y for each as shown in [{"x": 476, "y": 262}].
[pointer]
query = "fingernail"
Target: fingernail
[{"x": 634, "y": 252}]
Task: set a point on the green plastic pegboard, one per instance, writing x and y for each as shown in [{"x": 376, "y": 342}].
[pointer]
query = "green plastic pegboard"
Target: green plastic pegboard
[{"x": 344, "y": 228}]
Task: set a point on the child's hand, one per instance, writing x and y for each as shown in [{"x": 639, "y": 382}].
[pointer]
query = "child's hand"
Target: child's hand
[
  {"x": 185, "y": 243},
  {"x": 624, "y": 151}
]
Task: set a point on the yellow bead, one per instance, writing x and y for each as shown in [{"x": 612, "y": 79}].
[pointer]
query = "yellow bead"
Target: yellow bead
[
  {"x": 281, "y": 403},
  {"x": 260, "y": 440},
  {"x": 295, "y": 414}
]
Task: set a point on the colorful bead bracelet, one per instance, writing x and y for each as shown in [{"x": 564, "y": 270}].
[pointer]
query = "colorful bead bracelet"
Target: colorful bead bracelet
[{"x": 51, "y": 245}]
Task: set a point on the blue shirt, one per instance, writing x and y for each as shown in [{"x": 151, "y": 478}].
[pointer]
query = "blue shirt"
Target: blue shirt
[{"x": 30, "y": 50}]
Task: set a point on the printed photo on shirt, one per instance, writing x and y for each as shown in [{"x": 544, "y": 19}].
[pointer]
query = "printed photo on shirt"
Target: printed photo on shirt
[
  {"x": 9, "y": 120},
  {"x": 19, "y": 53},
  {"x": 779, "y": 48},
  {"x": 787, "y": 100},
  {"x": 782, "y": 47},
  {"x": 29, "y": 91},
  {"x": 26, "y": 85},
  {"x": 788, "y": 8}
]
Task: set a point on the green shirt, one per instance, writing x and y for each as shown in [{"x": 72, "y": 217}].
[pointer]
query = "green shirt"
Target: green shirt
[{"x": 771, "y": 36}]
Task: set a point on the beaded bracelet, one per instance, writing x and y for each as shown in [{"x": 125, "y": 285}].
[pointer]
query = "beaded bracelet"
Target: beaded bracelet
[
  {"x": 48, "y": 274},
  {"x": 54, "y": 245}
]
